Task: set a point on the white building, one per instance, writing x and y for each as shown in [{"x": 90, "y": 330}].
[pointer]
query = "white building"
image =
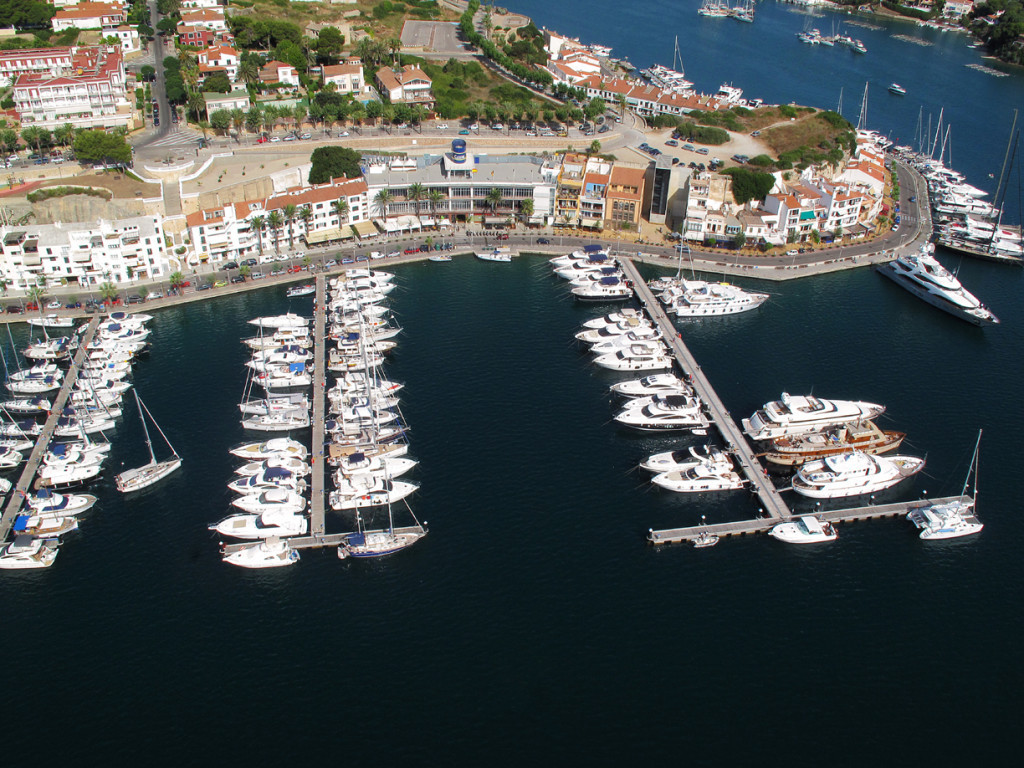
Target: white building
[
  {"x": 88, "y": 16},
  {"x": 219, "y": 58},
  {"x": 49, "y": 61},
  {"x": 409, "y": 85},
  {"x": 127, "y": 36},
  {"x": 205, "y": 18},
  {"x": 237, "y": 99},
  {"x": 191, "y": 5},
  {"x": 84, "y": 253},
  {"x": 347, "y": 77}
]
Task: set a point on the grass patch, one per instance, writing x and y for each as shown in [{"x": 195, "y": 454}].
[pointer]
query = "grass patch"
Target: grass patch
[{"x": 52, "y": 192}]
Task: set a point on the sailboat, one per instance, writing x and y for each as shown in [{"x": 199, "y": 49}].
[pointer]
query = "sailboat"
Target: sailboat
[
  {"x": 951, "y": 519},
  {"x": 378, "y": 543},
  {"x": 142, "y": 477}
]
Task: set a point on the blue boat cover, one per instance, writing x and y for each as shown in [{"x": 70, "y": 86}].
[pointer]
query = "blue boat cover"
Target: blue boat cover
[
  {"x": 356, "y": 457},
  {"x": 25, "y": 426},
  {"x": 609, "y": 270},
  {"x": 44, "y": 493},
  {"x": 355, "y": 539},
  {"x": 592, "y": 248},
  {"x": 20, "y": 523},
  {"x": 276, "y": 473},
  {"x": 609, "y": 280},
  {"x": 297, "y": 367},
  {"x": 59, "y": 449},
  {"x": 596, "y": 258}
]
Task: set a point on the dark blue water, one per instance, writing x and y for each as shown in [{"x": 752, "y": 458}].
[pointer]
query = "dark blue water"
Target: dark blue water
[
  {"x": 767, "y": 61},
  {"x": 533, "y": 623}
]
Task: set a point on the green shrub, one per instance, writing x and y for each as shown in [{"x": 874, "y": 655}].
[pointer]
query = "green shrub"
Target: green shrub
[
  {"x": 51, "y": 192},
  {"x": 787, "y": 111}
]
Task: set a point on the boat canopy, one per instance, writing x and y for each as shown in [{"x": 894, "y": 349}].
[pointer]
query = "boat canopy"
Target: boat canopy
[
  {"x": 20, "y": 523},
  {"x": 609, "y": 280},
  {"x": 356, "y": 539},
  {"x": 812, "y": 524},
  {"x": 593, "y": 248}
]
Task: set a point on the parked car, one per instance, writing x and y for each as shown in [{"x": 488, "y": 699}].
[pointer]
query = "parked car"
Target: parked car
[
  {"x": 294, "y": 269},
  {"x": 262, "y": 140},
  {"x": 330, "y": 263},
  {"x": 135, "y": 300},
  {"x": 392, "y": 254},
  {"x": 464, "y": 132},
  {"x": 32, "y": 307},
  {"x": 412, "y": 250},
  {"x": 306, "y": 136},
  {"x": 257, "y": 276},
  {"x": 755, "y": 134},
  {"x": 14, "y": 309},
  {"x": 73, "y": 305},
  {"x": 671, "y": 143},
  {"x": 55, "y": 304},
  {"x": 604, "y": 128},
  {"x": 204, "y": 287},
  {"x": 220, "y": 284},
  {"x": 154, "y": 295},
  {"x": 250, "y": 262},
  {"x": 231, "y": 265},
  {"x": 237, "y": 279},
  {"x": 274, "y": 139},
  {"x": 544, "y": 240}
]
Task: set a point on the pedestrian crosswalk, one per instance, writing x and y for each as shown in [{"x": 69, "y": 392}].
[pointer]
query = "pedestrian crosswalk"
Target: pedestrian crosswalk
[{"x": 178, "y": 138}]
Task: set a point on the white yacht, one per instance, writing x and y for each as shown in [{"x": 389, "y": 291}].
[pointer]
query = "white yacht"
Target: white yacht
[
  {"x": 298, "y": 336},
  {"x": 853, "y": 474},
  {"x": 29, "y": 406},
  {"x": 301, "y": 290},
  {"x": 67, "y": 475},
  {"x": 495, "y": 254},
  {"x": 277, "y": 421},
  {"x": 605, "y": 289},
  {"x": 663, "y": 412},
  {"x": 705, "y": 473},
  {"x": 280, "y": 500},
  {"x": 698, "y": 298},
  {"x": 291, "y": 463},
  {"x": 267, "y": 479},
  {"x": 386, "y": 465},
  {"x": 49, "y": 349},
  {"x": 44, "y": 526},
  {"x": 655, "y": 384},
  {"x": 652, "y": 341},
  {"x": 806, "y": 529},
  {"x": 601, "y": 267},
  {"x": 590, "y": 276},
  {"x": 926, "y": 278},
  {"x": 292, "y": 401},
  {"x": 34, "y": 385},
  {"x": 952, "y": 519},
  {"x": 670, "y": 461},
  {"x": 797, "y": 414},
  {"x": 279, "y": 322},
  {"x": 379, "y": 543},
  {"x": 641, "y": 327},
  {"x": 284, "y": 377},
  {"x": 622, "y": 316},
  {"x": 51, "y": 321},
  {"x": 272, "y": 553},
  {"x": 636, "y": 358},
  {"x": 28, "y": 552},
  {"x": 46, "y": 503},
  {"x": 73, "y": 426},
  {"x": 592, "y": 253},
  {"x": 285, "y": 355},
  {"x": 10, "y": 458},
  {"x": 262, "y": 526},
  {"x": 358, "y": 492},
  {"x": 339, "y": 454},
  {"x": 278, "y": 446}
]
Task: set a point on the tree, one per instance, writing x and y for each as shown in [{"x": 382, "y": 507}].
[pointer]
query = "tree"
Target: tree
[
  {"x": 218, "y": 82},
  {"x": 8, "y": 139},
  {"x": 257, "y": 223},
  {"x": 381, "y": 201},
  {"x": 108, "y": 292},
  {"x": 167, "y": 25},
  {"x": 290, "y": 210},
  {"x": 334, "y": 163},
  {"x": 102, "y": 147},
  {"x": 148, "y": 73},
  {"x": 254, "y": 119},
  {"x": 417, "y": 192},
  {"x": 245, "y": 270},
  {"x": 494, "y": 198},
  {"x": 305, "y": 213},
  {"x": 526, "y": 209},
  {"x": 248, "y": 71},
  {"x": 594, "y": 148},
  {"x": 274, "y": 221},
  {"x": 341, "y": 208},
  {"x": 740, "y": 239},
  {"x": 329, "y": 44},
  {"x": 196, "y": 105},
  {"x": 64, "y": 134},
  {"x": 176, "y": 280},
  {"x": 35, "y": 295},
  {"x": 220, "y": 120},
  {"x": 436, "y": 197}
]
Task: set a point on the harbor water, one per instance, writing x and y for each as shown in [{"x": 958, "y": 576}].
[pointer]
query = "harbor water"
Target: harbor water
[{"x": 533, "y": 616}]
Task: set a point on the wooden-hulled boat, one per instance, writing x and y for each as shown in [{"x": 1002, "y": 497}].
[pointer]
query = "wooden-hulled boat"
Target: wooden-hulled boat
[{"x": 863, "y": 436}]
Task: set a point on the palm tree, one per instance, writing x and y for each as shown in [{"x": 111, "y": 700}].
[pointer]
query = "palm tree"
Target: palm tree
[
  {"x": 436, "y": 197},
  {"x": 621, "y": 100},
  {"x": 494, "y": 198},
  {"x": 305, "y": 213},
  {"x": 35, "y": 294},
  {"x": 417, "y": 192},
  {"x": 393, "y": 45},
  {"x": 248, "y": 71},
  {"x": 108, "y": 291},
  {"x": 526, "y": 209},
  {"x": 238, "y": 119},
  {"x": 176, "y": 279},
  {"x": 274, "y": 221},
  {"x": 289, "y": 216},
  {"x": 341, "y": 208},
  {"x": 257, "y": 224},
  {"x": 381, "y": 201},
  {"x": 245, "y": 270}
]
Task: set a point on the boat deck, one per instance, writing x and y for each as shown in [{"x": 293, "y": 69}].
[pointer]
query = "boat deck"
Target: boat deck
[
  {"x": 317, "y": 523},
  {"x": 773, "y": 505},
  {"x": 763, "y": 525},
  {"x": 28, "y": 474}
]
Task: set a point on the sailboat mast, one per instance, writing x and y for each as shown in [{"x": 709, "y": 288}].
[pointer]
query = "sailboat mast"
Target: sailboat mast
[
  {"x": 839, "y": 107},
  {"x": 1006, "y": 159},
  {"x": 974, "y": 467},
  {"x": 938, "y": 132},
  {"x": 142, "y": 418},
  {"x": 863, "y": 118}
]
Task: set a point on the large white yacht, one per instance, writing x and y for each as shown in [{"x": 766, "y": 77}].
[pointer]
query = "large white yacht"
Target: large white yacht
[
  {"x": 605, "y": 289},
  {"x": 641, "y": 327},
  {"x": 278, "y": 446},
  {"x": 291, "y": 463},
  {"x": 654, "y": 384},
  {"x": 651, "y": 338},
  {"x": 45, "y": 503},
  {"x": 663, "y": 412},
  {"x": 280, "y": 500},
  {"x": 853, "y": 474},
  {"x": 357, "y": 493},
  {"x": 262, "y": 526},
  {"x": 638, "y": 357},
  {"x": 272, "y": 553},
  {"x": 44, "y": 526},
  {"x": 277, "y": 421},
  {"x": 797, "y": 414},
  {"x": 804, "y": 530},
  {"x": 711, "y": 471},
  {"x": 273, "y": 477},
  {"x": 279, "y": 322},
  {"x": 358, "y": 463},
  {"x": 670, "y": 461},
  {"x": 613, "y": 318},
  {"x": 591, "y": 253},
  {"x": 926, "y": 278},
  {"x": 698, "y": 298},
  {"x": 28, "y": 552}
]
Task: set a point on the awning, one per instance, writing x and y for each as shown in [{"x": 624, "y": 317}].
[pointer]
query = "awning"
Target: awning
[
  {"x": 365, "y": 229},
  {"x": 496, "y": 219},
  {"x": 331, "y": 233},
  {"x": 595, "y": 223}
]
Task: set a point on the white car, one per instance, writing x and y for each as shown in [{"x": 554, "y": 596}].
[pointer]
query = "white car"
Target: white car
[
  {"x": 497, "y": 127},
  {"x": 474, "y": 127},
  {"x": 791, "y": 253},
  {"x": 154, "y": 295},
  {"x": 443, "y": 127},
  {"x": 275, "y": 138},
  {"x": 394, "y": 253},
  {"x": 343, "y": 133},
  {"x": 54, "y": 305}
]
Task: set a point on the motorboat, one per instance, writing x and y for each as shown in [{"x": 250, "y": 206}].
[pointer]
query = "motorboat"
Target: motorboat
[
  {"x": 301, "y": 290},
  {"x": 713, "y": 472},
  {"x": 590, "y": 276},
  {"x": 272, "y": 553},
  {"x": 292, "y": 401},
  {"x": 339, "y": 454},
  {"x": 704, "y": 299},
  {"x": 635, "y": 358},
  {"x": 897, "y": 89},
  {"x": 21, "y": 429},
  {"x": 43, "y": 526},
  {"x": 263, "y": 359},
  {"x": 51, "y": 321},
  {"x": 262, "y": 526},
  {"x": 10, "y": 458},
  {"x": 104, "y": 387},
  {"x": 277, "y": 421},
  {"x": 853, "y": 474},
  {"x": 663, "y": 412},
  {"x": 926, "y": 278},
  {"x": 613, "y": 318},
  {"x": 34, "y": 385},
  {"x": 68, "y": 474},
  {"x": 338, "y": 362},
  {"x": 277, "y": 446},
  {"x": 281, "y": 500},
  {"x": 374, "y": 399},
  {"x": 806, "y": 529},
  {"x": 298, "y": 336},
  {"x": 47, "y": 503},
  {"x": 798, "y": 414},
  {"x": 605, "y": 289},
  {"x": 138, "y": 318},
  {"x": 593, "y": 251},
  {"x": 651, "y": 338},
  {"x": 864, "y": 436},
  {"x": 94, "y": 399},
  {"x": 279, "y": 322},
  {"x": 358, "y": 273},
  {"x": 360, "y": 382},
  {"x": 284, "y": 376},
  {"x": 641, "y": 327},
  {"x": 291, "y": 463},
  {"x": 28, "y": 552},
  {"x": 671, "y": 461},
  {"x": 385, "y": 466},
  {"x": 74, "y": 426},
  {"x": 116, "y": 332},
  {"x": 49, "y": 349},
  {"x": 20, "y": 444},
  {"x": 655, "y": 384},
  {"x": 440, "y": 257},
  {"x": 27, "y": 406},
  {"x": 273, "y": 477},
  {"x": 495, "y": 254},
  {"x": 359, "y": 492},
  {"x": 361, "y": 436},
  {"x": 137, "y": 478}
]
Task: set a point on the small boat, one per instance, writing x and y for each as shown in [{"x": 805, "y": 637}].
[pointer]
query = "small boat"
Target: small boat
[
  {"x": 853, "y": 474},
  {"x": 496, "y": 254},
  {"x": 279, "y": 322},
  {"x": 861, "y": 436},
  {"x": 137, "y": 318},
  {"x": 262, "y": 526},
  {"x": 272, "y": 553},
  {"x": 799, "y": 414},
  {"x": 278, "y": 446},
  {"x": 51, "y": 321},
  {"x": 277, "y": 421},
  {"x": 276, "y": 499},
  {"x": 142, "y": 477},
  {"x": 655, "y": 384},
  {"x": 898, "y": 89},
  {"x": 28, "y": 552},
  {"x": 301, "y": 290},
  {"x": 704, "y": 539},
  {"x": 952, "y": 519},
  {"x": 47, "y": 503},
  {"x": 806, "y": 529},
  {"x": 441, "y": 257}
]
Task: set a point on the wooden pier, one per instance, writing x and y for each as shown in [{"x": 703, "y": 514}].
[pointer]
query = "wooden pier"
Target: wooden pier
[
  {"x": 318, "y": 459},
  {"x": 318, "y": 542},
  {"x": 35, "y": 458},
  {"x": 763, "y": 525},
  {"x": 772, "y": 502}
]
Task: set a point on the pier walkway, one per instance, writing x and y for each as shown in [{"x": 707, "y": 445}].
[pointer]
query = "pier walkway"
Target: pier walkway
[
  {"x": 848, "y": 515},
  {"x": 317, "y": 457},
  {"x": 773, "y": 504},
  {"x": 28, "y": 474}
]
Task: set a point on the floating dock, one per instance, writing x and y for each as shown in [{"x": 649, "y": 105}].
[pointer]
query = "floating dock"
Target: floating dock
[
  {"x": 28, "y": 474},
  {"x": 318, "y": 461}
]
